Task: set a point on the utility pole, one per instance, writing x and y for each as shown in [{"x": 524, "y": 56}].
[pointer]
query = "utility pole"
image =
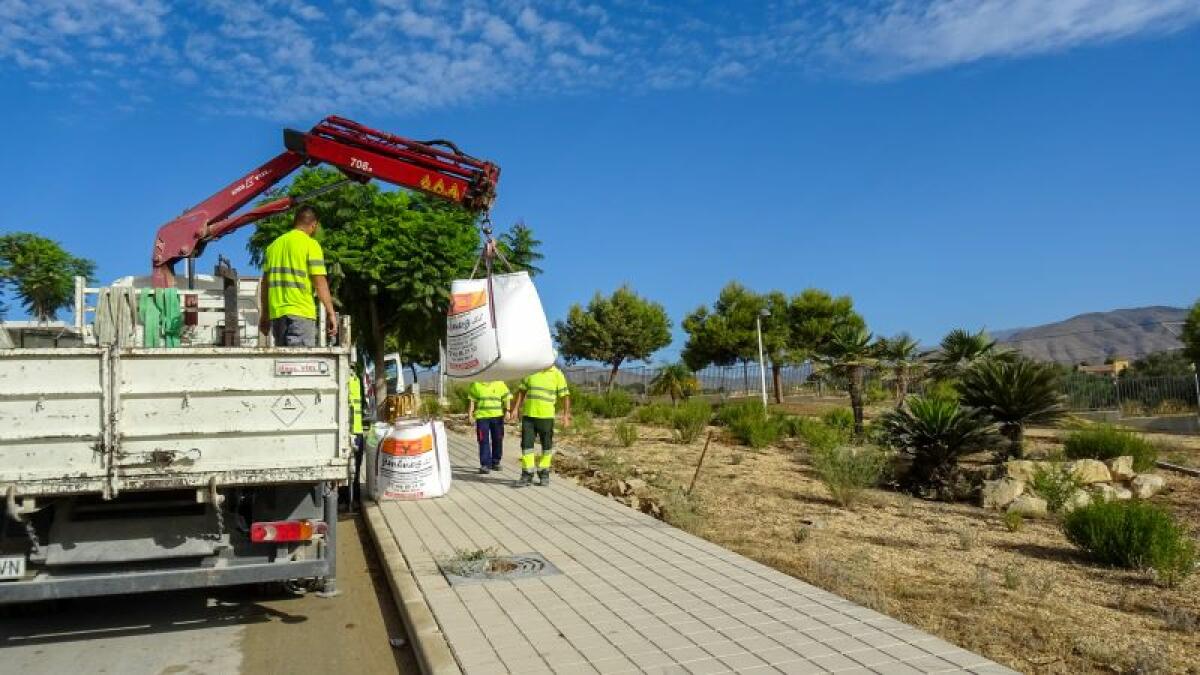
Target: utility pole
[{"x": 762, "y": 366}]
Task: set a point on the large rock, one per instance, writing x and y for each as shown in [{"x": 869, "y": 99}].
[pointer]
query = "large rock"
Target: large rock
[
  {"x": 1121, "y": 468},
  {"x": 1030, "y": 506},
  {"x": 1078, "y": 499},
  {"x": 1020, "y": 469},
  {"x": 998, "y": 494},
  {"x": 1110, "y": 493},
  {"x": 1147, "y": 485},
  {"x": 1089, "y": 471}
]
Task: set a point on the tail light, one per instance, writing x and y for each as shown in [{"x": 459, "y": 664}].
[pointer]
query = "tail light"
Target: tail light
[{"x": 285, "y": 530}]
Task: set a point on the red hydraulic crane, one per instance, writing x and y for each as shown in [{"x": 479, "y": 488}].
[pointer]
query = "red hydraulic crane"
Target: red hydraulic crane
[{"x": 435, "y": 167}]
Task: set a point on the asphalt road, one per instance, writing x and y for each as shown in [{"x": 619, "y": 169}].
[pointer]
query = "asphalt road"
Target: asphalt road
[{"x": 237, "y": 630}]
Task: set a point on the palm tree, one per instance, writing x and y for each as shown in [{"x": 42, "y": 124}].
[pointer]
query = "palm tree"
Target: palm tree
[
  {"x": 901, "y": 354},
  {"x": 935, "y": 432},
  {"x": 959, "y": 349},
  {"x": 1015, "y": 393},
  {"x": 849, "y": 351},
  {"x": 676, "y": 381}
]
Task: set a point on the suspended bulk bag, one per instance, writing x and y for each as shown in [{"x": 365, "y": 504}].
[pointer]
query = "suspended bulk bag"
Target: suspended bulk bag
[
  {"x": 496, "y": 329},
  {"x": 412, "y": 462}
]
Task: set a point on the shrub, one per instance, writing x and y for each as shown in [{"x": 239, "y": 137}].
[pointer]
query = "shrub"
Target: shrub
[
  {"x": 626, "y": 434},
  {"x": 945, "y": 390},
  {"x": 681, "y": 510},
  {"x": 1135, "y": 535},
  {"x": 432, "y": 408},
  {"x": 935, "y": 433},
  {"x": 581, "y": 423},
  {"x": 1105, "y": 442},
  {"x": 459, "y": 398},
  {"x": 756, "y": 433},
  {"x": 1054, "y": 485},
  {"x": 750, "y": 423},
  {"x": 819, "y": 436},
  {"x": 582, "y": 400},
  {"x": 730, "y": 413},
  {"x": 848, "y": 470},
  {"x": 839, "y": 418},
  {"x": 690, "y": 419},
  {"x": 1013, "y": 520},
  {"x": 875, "y": 393},
  {"x": 616, "y": 403},
  {"x": 658, "y": 414}
]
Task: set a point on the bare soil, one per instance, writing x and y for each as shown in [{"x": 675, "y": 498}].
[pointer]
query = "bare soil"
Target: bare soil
[{"x": 1027, "y": 599}]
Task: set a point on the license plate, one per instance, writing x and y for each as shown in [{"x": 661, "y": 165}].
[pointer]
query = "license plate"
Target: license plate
[{"x": 12, "y": 567}]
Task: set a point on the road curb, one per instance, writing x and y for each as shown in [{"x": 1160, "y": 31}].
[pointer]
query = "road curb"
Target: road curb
[{"x": 429, "y": 644}]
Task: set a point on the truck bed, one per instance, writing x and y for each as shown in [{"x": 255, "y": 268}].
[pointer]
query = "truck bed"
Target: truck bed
[{"x": 106, "y": 420}]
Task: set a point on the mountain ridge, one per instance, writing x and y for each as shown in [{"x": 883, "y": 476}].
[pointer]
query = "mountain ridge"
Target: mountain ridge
[{"x": 1093, "y": 337}]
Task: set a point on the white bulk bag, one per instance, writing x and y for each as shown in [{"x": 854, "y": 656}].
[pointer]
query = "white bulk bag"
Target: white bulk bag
[
  {"x": 412, "y": 462},
  {"x": 496, "y": 329}
]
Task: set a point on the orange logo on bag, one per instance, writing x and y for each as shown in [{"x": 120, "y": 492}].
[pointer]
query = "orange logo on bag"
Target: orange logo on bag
[
  {"x": 407, "y": 447},
  {"x": 465, "y": 302}
]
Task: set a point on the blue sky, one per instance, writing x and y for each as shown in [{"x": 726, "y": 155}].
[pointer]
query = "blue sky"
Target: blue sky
[{"x": 947, "y": 163}]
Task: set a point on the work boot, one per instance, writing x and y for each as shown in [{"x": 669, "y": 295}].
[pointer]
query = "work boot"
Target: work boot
[
  {"x": 544, "y": 477},
  {"x": 496, "y": 467},
  {"x": 526, "y": 479},
  {"x": 483, "y": 470}
]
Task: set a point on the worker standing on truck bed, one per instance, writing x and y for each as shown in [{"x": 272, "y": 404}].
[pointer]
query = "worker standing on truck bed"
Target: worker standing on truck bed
[
  {"x": 536, "y": 398},
  {"x": 487, "y": 404},
  {"x": 293, "y": 267}
]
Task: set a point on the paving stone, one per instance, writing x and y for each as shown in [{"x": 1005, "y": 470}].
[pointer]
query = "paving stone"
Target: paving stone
[{"x": 634, "y": 593}]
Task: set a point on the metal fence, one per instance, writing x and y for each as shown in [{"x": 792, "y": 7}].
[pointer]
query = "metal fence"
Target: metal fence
[
  {"x": 1132, "y": 396},
  {"x": 1127, "y": 396}
]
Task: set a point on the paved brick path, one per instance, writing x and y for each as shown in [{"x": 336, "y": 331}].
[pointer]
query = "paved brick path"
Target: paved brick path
[{"x": 635, "y": 595}]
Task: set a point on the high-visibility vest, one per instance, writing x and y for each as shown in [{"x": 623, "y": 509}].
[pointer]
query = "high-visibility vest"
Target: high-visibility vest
[
  {"x": 288, "y": 266},
  {"x": 542, "y": 390},
  {"x": 354, "y": 390},
  {"x": 491, "y": 398}
]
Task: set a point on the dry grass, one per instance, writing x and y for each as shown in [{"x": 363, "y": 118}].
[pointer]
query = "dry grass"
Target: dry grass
[{"x": 1025, "y": 598}]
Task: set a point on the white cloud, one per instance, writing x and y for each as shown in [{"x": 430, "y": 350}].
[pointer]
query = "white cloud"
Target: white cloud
[
  {"x": 905, "y": 36},
  {"x": 298, "y": 59}
]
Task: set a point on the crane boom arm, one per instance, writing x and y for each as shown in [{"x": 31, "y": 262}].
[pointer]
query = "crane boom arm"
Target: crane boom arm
[{"x": 437, "y": 168}]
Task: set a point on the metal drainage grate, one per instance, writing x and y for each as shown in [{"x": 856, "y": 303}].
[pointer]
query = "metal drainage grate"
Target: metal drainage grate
[{"x": 509, "y": 567}]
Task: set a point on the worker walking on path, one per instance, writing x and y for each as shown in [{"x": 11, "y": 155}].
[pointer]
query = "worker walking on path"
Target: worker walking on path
[
  {"x": 537, "y": 396},
  {"x": 487, "y": 404},
  {"x": 293, "y": 268}
]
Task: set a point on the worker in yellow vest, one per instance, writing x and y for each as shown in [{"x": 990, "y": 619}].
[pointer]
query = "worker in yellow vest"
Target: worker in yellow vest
[
  {"x": 487, "y": 402},
  {"x": 354, "y": 396},
  {"x": 537, "y": 396},
  {"x": 293, "y": 270}
]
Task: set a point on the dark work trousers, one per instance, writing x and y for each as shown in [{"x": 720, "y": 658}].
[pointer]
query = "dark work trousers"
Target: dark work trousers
[
  {"x": 358, "y": 459},
  {"x": 490, "y": 434}
]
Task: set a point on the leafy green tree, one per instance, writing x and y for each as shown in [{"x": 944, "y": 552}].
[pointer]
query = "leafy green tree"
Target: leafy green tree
[
  {"x": 728, "y": 333},
  {"x": 40, "y": 272},
  {"x": 1015, "y": 393},
  {"x": 612, "y": 330},
  {"x": 962, "y": 348},
  {"x": 1171, "y": 363},
  {"x": 935, "y": 433},
  {"x": 850, "y": 351},
  {"x": 520, "y": 248},
  {"x": 901, "y": 353},
  {"x": 1191, "y": 335},
  {"x": 677, "y": 381},
  {"x": 392, "y": 256},
  {"x": 814, "y": 314},
  {"x": 777, "y": 338}
]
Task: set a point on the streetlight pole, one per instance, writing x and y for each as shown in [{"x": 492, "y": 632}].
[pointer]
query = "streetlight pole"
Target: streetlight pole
[{"x": 762, "y": 366}]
